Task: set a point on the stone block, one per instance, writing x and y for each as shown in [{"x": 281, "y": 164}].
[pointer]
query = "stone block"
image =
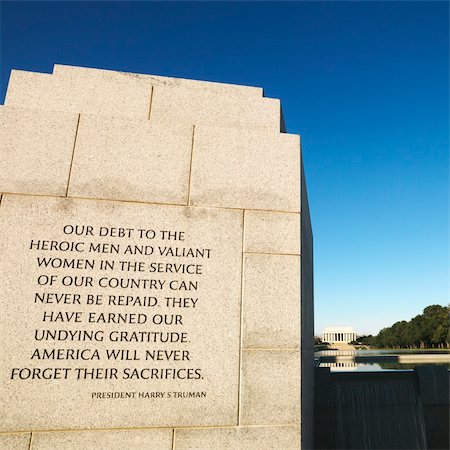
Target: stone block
[
  {"x": 27, "y": 89},
  {"x": 203, "y": 108},
  {"x": 272, "y": 232},
  {"x": 124, "y": 159},
  {"x": 242, "y": 438},
  {"x": 36, "y": 150},
  {"x": 270, "y": 387},
  {"x": 158, "y": 439},
  {"x": 15, "y": 441},
  {"x": 84, "y": 266},
  {"x": 94, "y": 91},
  {"x": 127, "y": 98},
  {"x": 245, "y": 169},
  {"x": 271, "y": 301},
  {"x": 86, "y": 75}
]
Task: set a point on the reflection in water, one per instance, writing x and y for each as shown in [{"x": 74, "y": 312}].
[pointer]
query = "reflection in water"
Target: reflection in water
[
  {"x": 406, "y": 366},
  {"x": 382, "y": 352},
  {"x": 352, "y": 366},
  {"x": 380, "y": 360},
  {"x": 373, "y": 367}
]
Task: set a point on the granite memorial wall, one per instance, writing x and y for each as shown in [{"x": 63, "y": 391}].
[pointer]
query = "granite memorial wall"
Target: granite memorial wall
[{"x": 156, "y": 261}]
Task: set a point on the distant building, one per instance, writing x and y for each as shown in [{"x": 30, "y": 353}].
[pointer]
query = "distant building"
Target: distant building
[{"x": 335, "y": 335}]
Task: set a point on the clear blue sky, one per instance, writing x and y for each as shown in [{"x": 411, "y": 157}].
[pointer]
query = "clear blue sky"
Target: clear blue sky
[{"x": 366, "y": 84}]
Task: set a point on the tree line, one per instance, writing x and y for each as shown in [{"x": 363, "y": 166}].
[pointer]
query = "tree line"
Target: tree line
[{"x": 431, "y": 329}]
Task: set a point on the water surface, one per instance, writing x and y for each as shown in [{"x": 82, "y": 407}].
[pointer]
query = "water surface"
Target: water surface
[{"x": 381, "y": 359}]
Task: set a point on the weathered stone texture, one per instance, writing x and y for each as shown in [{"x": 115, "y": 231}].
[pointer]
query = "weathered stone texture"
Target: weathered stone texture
[
  {"x": 271, "y": 310},
  {"x": 124, "y": 159},
  {"x": 84, "y": 75},
  {"x": 15, "y": 441},
  {"x": 272, "y": 232},
  {"x": 270, "y": 388},
  {"x": 159, "y": 439},
  {"x": 47, "y": 92},
  {"x": 242, "y": 438},
  {"x": 203, "y": 108},
  {"x": 245, "y": 169},
  {"x": 36, "y": 150}
]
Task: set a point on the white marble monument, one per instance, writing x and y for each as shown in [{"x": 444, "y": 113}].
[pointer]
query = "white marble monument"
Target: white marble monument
[{"x": 339, "y": 335}]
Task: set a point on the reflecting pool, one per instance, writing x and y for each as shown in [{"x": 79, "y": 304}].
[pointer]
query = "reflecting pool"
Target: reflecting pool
[{"x": 381, "y": 360}]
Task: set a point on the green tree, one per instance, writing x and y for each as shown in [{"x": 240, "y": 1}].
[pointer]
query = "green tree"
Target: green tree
[{"x": 429, "y": 329}]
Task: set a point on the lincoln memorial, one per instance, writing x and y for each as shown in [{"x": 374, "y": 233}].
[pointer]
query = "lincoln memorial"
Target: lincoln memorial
[{"x": 338, "y": 334}]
